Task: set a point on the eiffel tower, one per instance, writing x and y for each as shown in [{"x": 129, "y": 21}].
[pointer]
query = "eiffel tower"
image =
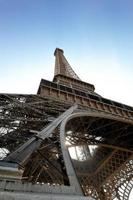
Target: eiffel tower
[{"x": 66, "y": 142}]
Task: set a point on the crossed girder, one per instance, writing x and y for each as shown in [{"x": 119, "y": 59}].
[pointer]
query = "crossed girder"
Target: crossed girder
[
  {"x": 103, "y": 145},
  {"x": 22, "y": 116}
]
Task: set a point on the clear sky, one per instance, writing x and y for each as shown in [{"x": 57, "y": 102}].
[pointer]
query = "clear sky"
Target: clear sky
[{"x": 96, "y": 35}]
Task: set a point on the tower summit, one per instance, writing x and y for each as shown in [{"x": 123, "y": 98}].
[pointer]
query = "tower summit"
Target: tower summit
[
  {"x": 66, "y": 83},
  {"x": 62, "y": 67},
  {"x": 65, "y": 75}
]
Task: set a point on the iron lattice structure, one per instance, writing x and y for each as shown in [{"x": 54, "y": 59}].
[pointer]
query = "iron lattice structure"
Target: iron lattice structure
[{"x": 69, "y": 135}]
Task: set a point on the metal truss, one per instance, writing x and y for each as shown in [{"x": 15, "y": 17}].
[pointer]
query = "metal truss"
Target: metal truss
[
  {"x": 103, "y": 145},
  {"x": 22, "y": 116},
  {"x": 106, "y": 170}
]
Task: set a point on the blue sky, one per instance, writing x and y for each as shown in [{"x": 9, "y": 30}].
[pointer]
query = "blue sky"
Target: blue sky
[{"x": 96, "y": 35}]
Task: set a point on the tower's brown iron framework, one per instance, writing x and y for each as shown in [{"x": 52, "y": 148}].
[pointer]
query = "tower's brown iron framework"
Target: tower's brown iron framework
[{"x": 68, "y": 134}]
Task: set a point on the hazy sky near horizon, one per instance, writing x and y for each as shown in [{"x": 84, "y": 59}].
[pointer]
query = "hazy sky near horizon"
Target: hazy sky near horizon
[{"x": 96, "y": 36}]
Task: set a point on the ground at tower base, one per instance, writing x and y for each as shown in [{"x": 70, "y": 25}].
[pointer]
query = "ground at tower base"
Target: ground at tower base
[{"x": 65, "y": 142}]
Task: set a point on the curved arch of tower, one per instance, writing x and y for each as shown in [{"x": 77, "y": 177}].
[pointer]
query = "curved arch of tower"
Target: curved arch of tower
[{"x": 67, "y": 140}]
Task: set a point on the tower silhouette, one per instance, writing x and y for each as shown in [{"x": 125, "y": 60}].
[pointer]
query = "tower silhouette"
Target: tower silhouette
[{"x": 66, "y": 137}]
